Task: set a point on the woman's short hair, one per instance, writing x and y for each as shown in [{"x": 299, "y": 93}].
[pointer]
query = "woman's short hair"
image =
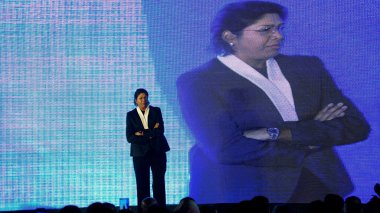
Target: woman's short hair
[
  {"x": 138, "y": 92},
  {"x": 237, "y": 16}
]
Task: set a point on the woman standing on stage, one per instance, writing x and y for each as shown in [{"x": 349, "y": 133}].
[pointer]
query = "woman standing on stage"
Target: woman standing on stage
[{"x": 145, "y": 132}]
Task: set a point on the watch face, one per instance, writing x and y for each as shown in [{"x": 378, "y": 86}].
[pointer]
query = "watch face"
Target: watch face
[{"x": 273, "y": 133}]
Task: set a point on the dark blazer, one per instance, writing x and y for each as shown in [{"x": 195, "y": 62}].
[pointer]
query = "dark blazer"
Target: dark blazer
[
  {"x": 153, "y": 139},
  {"x": 218, "y": 105}
]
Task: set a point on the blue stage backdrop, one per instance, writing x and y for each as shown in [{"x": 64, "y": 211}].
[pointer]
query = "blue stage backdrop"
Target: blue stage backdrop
[{"x": 68, "y": 70}]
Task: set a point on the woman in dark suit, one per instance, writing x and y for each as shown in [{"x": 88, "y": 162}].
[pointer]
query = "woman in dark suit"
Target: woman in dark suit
[
  {"x": 264, "y": 123},
  {"x": 145, "y": 132}
]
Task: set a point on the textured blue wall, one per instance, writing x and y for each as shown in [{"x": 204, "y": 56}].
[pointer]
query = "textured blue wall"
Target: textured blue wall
[{"x": 68, "y": 70}]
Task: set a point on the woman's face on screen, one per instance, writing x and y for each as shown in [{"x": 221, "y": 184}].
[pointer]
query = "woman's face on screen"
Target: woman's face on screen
[
  {"x": 142, "y": 101},
  {"x": 261, "y": 40}
]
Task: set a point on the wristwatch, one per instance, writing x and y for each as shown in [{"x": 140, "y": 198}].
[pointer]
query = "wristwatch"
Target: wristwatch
[{"x": 273, "y": 133}]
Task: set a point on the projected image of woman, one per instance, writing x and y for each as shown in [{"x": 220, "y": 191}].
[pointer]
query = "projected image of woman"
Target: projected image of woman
[
  {"x": 145, "y": 132},
  {"x": 264, "y": 123}
]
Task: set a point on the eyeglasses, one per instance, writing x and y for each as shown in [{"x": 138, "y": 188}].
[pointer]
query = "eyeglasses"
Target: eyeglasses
[{"x": 268, "y": 30}]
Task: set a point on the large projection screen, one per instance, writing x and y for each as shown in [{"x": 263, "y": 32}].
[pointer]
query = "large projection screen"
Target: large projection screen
[{"x": 69, "y": 68}]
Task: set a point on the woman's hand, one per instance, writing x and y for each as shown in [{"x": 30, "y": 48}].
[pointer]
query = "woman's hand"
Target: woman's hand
[
  {"x": 257, "y": 134},
  {"x": 330, "y": 112},
  {"x": 139, "y": 133}
]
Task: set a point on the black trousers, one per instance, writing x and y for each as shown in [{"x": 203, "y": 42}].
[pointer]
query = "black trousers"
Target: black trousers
[{"x": 142, "y": 165}]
